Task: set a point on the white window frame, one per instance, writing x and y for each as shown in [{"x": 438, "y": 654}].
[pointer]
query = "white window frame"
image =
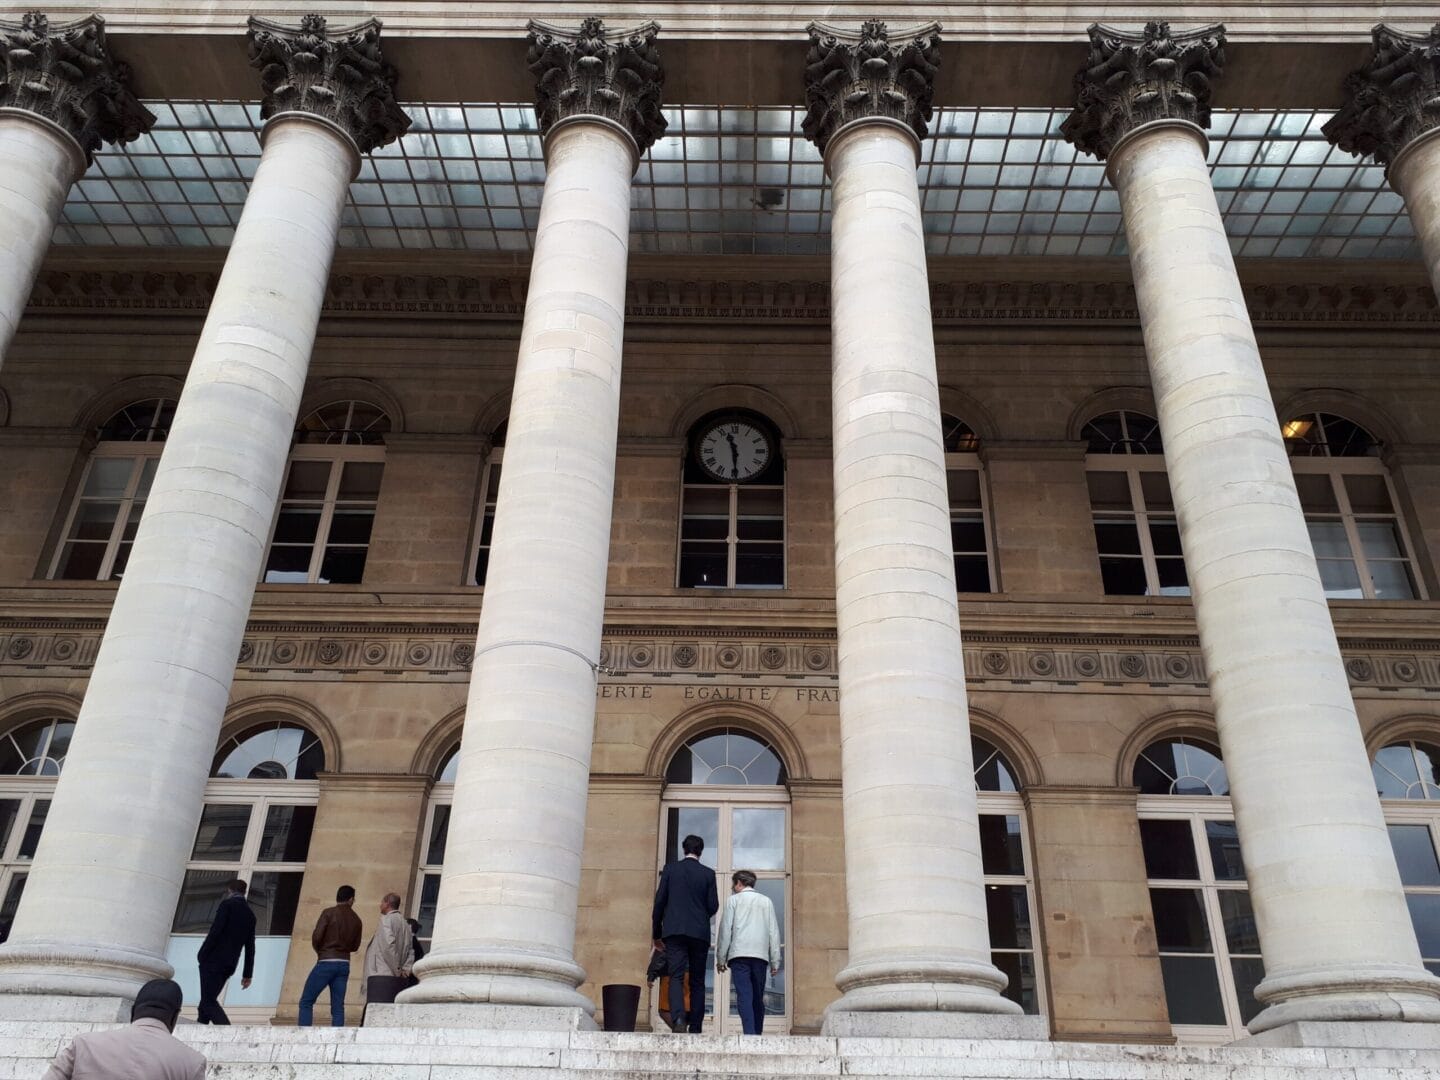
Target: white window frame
[
  {"x": 963, "y": 462},
  {"x": 1417, "y": 812},
  {"x": 1337, "y": 468},
  {"x": 1197, "y": 810},
  {"x": 440, "y": 795},
  {"x": 338, "y": 455},
  {"x": 732, "y": 540},
  {"x": 485, "y": 508},
  {"x": 1012, "y": 804},
  {"x": 1132, "y": 465},
  {"x": 141, "y": 455},
  {"x": 28, "y": 791}
]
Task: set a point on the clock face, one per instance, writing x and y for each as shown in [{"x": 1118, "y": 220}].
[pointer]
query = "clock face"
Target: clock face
[{"x": 733, "y": 451}]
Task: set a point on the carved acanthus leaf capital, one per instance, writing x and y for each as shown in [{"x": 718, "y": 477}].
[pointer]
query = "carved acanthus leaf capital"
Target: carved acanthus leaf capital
[
  {"x": 1132, "y": 79},
  {"x": 854, "y": 76},
  {"x": 66, "y": 74},
  {"x": 337, "y": 75},
  {"x": 615, "y": 75},
  {"x": 1393, "y": 99}
]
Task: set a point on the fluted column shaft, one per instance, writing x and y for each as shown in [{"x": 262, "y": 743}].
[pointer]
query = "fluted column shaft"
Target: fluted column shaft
[
  {"x": 505, "y": 927},
  {"x": 101, "y": 893},
  {"x": 1334, "y": 929},
  {"x": 919, "y": 939},
  {"x": 38, "y": 163}
]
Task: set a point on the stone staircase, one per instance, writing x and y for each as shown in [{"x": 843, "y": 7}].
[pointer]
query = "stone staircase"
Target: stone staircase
[{"x": 266, "y": 1053}]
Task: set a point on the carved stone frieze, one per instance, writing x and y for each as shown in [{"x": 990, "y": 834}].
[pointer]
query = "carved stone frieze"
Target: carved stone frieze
[
  {"x": 1131, "y": 79},
  {"x": 615, "y": 75},
  {"x": 337, "y": 75},
  {"x": 953, "y": 300},
  {"x": 66, "y": 74},
  {"x": 856, "y": 76},
  {"x": 1393, "y": 99}
]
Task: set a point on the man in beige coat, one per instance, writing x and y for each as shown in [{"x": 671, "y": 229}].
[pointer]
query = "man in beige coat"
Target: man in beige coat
[
  {"x": 390, "y": 955},
  {"x": 143, "y": 1051}
]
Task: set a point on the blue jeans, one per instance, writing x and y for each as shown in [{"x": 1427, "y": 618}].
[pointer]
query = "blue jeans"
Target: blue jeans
[
  {"x": 332, "y": 973},
  {"x": 747, "y": 973}
]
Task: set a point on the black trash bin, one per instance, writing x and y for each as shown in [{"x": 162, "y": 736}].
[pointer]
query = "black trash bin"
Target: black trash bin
[{"x": 619, "y": 1002}]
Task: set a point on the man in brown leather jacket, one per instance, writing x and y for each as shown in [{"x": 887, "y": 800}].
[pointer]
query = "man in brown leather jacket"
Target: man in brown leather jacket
[{"x": 336, "y": 935}]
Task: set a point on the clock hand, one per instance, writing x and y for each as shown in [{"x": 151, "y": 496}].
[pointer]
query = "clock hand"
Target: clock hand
[{"x": 734, "y": 456}]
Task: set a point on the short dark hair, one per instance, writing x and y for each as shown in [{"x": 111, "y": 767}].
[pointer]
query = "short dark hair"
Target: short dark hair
[
  {"x": 743, "y": 877},
  {"x": 692, "y": 845},
  {"x": 344, "y": 893},
  {"x": 237, "y": 886}
]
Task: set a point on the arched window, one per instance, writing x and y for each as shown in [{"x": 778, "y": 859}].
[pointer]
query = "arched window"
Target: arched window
[
  {"x": 969, "y": 516},
  {"x": 728, "y": 757},
  {"x": 436, "y": 832},
  {"x": 1135, "y": 531},
  {"x": 732, "y": 516},
  {"x": 485, "y": 509},
  {"x": 256, "y": 825},
  {"x": 1209, "y": 945},
  {"x": 1407, "y": 778},
  {"x": 1360, "y": 540},
  {"x": 105, "y": 515},
  {"x": 31, "y": 757},
  {"x": 322, "y": 528},
  {"x": 1009, "y": 884}
]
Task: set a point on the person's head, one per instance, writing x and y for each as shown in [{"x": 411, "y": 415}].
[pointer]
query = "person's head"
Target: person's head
[
  {"x": 741, "y": 880},
  {"x": 345, "y": 894},
  {"x": 236, "y": 886},
  {"x": 414, "y": 925},
  {"x": 389, "y": 902},
  {"x": 158, "y": 999},
  {"x": 692, "y": 845}
]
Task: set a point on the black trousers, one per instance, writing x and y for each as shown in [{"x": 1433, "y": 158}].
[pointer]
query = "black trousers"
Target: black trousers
[
  {"x": 212, "y": 981},
  {"x": 687, "y": 954}
]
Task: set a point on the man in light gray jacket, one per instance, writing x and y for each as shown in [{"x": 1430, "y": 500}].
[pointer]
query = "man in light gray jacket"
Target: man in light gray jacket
[
  {"x": 748, "y": 942},
  {"x": 143, "y": 1051},
  {"x": 390, "y": 955}
]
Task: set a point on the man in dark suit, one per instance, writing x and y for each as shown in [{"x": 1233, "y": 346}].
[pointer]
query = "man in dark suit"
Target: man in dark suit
[
  {"x": 232, "y": 932},
  {"x": 685, "y": 903}
]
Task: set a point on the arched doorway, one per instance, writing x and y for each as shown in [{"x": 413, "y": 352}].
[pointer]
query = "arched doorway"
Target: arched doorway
[{"x": 727, "y": 786}]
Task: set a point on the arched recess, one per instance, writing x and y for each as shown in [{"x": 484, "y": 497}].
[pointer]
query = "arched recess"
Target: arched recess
[
  {"x": 1189, "y": 722},
  {"x": 492, "y": 414},
  {"x": 252, "y": 711},
  {"x": 437, "y": 742},
  {"x": 35, "y": 706},
  {"x": 742, "y": 716},
  {"x": 111, "y": 400},
  {"x": 1415, "y": 726},
  {"x": 346, "y": 387},
  {"x": 958, "y": 403},
  {"x": 1133, "y": 398},
  {"x": 1343, "y": 403},
  {"x": 1010, "y": 743},
  {"x": 735, "y": 396}
]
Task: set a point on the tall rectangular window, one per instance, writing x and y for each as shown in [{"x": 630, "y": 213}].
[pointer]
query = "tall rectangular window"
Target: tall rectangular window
[{"x": 327, "y": 512}]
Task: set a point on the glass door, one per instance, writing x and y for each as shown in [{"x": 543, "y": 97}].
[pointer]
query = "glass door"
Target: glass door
[{"x": 749, "y": 833}]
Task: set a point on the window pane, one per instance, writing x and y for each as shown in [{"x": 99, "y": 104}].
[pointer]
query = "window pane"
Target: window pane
[
  {"x": 1192, "y": 990},
  {"x": 1172, "y": 577},
  {"x": 703, "y": 821},
  {"x": 1155, "y": 487},
  {"x": 287, "y": 834},
  {"x": 482, "y": 565},
  {"x": 762, "y": 502},
  {"x": 1124, "y": 577},
  {"x": 275, "y": 896},
  {"x": 760, "y": 565},
  {"x": 1414, "y": 854},
  {"x": 774, "y": 888},
  {"x": 11, "y": 904},
  {"x": 1164, "y": 537},
  {"x": 964, "y": 485},
  {"x": 754, "y": 528},
  {"x": 33, "y": 828},
  {"x": 361, "y": 480},
  {"x": 200, "y": 895},
  {"x": 1238, "y": 918},
  {"x": 342, "y": 566},
  {"x": 439, "y": 833},
  {"x": 1368, "y": 494},
  {"x": 287, "y": 565},
  {"x": 758, "y": 839},
  {"x": 308, "y": 480},
  {"x": 972, "y": 573},
  {"x": 1425, "y": 914},
  {"x": 1225, "y": 860},
  {"x": 1340, "y": 579},
  {"x": 1109, "y": 490},
  {"x": 704, "y": 528},
  {"x": 109, "y": 477},
  {"x": 297, "y": 525},
  {"x": 94, "y": 520},
  {"x": 1329, "y": 539},
  {"x": 9, "y": 816},
  {"x": 222, "y": 830},
  {"x": 1180, "y": 920},
  {"x": 1248, "y": 973},
  {"x": 708, "y": 501},
  {"x": 1020, "y": 969},
  {"x": 1392, "y": 580},
  {"x": 1394, "y": 772},
  {"x": 702, "y": 566},
  {"x": 147, "y": 477},
  {"x": 1114, "y": 537},
  {"x": 1000, "y": 848},
  {"x": 429, "y": 901},
  {"x": 1316, "y": 493},
  {"x": 1379, "y": 540},
  {"x": 1169, "y": 848},
  {"x": 351, "y": 526},
  {"x": 967, "y": 534},
  {"x": 1008, "y": 910},
  {"x": 81, "y": 562}
]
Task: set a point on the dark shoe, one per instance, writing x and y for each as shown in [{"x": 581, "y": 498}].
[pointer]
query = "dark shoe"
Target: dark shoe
[{"x": 678, "y": 1025}]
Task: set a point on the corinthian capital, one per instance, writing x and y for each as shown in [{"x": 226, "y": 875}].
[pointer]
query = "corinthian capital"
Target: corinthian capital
[
  {"x": 615, "y": 75},
  {"x": 1133, "y": 79},
  {"x": 66, "y": 74},
  {"x": 855, "y": 76},
  {"x": 1392, "y": 99},
  {"x": 337, "y": 75}
]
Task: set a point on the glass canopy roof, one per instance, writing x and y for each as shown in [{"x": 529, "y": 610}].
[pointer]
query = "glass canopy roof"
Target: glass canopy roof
[{"x": 743, "y": 181}]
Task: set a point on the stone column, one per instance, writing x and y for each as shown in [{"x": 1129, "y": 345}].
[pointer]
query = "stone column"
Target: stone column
[
  {"x": 1317, "y": 857},
  {"x": 61, "y": 96},
  {"x": 919, "y": 941},
  {"x": 102, "y": 891},
  {"x": 1388, "y": 116},
  {"x": 505, "y": 928}
]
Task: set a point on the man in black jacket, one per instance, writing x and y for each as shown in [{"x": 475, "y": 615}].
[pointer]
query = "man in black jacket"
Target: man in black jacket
[
  {"x": 232, "y": 932},
  {"x": 685, "y": 903}
]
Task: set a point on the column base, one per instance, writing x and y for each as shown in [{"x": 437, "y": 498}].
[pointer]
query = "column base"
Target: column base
[
  {"x": 933, "y": 1025},
  {"x": 478, "y": 1014},
  {"x": 1354, "y": 1034},
  {"x": 65, "y": 1008},
  {"x": 1378, "y": 994},
  {"x": 67, "y": 970}
]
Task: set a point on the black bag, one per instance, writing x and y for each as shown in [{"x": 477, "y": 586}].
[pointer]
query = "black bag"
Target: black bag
[{"x": 657, "y": 968}]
